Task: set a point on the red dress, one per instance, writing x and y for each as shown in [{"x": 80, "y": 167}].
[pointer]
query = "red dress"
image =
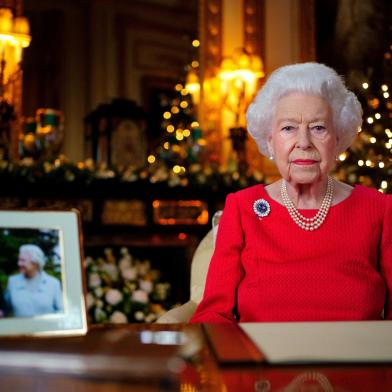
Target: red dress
[{"x": 269, "y": 269}]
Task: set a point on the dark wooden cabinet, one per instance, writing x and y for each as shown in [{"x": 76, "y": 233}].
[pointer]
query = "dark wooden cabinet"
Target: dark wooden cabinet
[{"x": 153, "y": 221}]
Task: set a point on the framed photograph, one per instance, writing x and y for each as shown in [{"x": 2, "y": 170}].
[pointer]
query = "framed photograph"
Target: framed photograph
[{"x": 41, "y": 273}]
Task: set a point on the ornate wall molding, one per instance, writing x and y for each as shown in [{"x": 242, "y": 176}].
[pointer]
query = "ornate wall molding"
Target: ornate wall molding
[
  {"x": 210, "y": 30},
  {"x": 210, "y": 55},
  {"x": 307, "y": 30},
  {"x": 254, "y": 27}
]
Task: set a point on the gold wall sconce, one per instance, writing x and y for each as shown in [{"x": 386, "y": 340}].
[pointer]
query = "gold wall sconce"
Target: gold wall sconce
[
  {"x": 239, "y": 75},
  {"x": 14, "y": 37}
]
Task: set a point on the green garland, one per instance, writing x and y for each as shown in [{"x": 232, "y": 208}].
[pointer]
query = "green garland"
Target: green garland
[{"x": 84, "y": 173}]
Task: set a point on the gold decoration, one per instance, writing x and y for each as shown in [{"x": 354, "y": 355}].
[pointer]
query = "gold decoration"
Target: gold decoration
[
  {"x": 180, "y": 212},
  {"x": 124, "y": 212},
  {"x": 374, "y": 103}
]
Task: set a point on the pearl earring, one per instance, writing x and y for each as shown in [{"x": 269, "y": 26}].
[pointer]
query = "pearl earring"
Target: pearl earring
[{"x": 271, "y": 157}]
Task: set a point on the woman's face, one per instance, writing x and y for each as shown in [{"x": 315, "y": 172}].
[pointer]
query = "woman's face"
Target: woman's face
[
  {"x": 26, "y": 265},
  {"x": 303, "y": 139}
]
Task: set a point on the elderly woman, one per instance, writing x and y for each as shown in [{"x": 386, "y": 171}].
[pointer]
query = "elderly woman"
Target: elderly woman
[
  {"x": 33, "y": 292},
  {"x": 306, "y": 247}
]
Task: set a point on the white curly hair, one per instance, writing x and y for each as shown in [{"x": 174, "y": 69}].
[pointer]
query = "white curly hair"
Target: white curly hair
[
  {"x": 36, "y": 254},
  {"x": 310, "y": 78}
]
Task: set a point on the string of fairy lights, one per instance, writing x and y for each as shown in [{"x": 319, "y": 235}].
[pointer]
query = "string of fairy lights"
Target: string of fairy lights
[
  {"x": 376, "y": 132},
  {"x": 183, "y": 136},
  {"x": 374, "y": 103},
  {"x": 369, "y": 160}
]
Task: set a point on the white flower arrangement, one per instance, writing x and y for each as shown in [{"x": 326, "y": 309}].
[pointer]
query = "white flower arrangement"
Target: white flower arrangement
[{"x": 125, "y": 290}]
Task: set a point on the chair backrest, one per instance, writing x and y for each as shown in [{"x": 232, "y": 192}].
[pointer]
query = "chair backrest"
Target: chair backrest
[{"x": 201, "y": 260}]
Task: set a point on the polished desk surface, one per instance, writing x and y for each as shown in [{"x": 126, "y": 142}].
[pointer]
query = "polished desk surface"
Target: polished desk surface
[{"x": 160, "y": 357}]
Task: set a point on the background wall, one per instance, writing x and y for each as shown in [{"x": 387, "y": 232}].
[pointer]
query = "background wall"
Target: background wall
[{"x": 87, "y": 52}]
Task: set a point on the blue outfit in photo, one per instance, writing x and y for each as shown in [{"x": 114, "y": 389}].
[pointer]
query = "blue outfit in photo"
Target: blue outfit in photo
[{"x": 32, "y": 297}]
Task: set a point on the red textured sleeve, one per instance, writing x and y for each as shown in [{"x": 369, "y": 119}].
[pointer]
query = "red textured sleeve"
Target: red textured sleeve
[
  {"x": 225, "y": 271},
  {"x": 386, "y": 255}
]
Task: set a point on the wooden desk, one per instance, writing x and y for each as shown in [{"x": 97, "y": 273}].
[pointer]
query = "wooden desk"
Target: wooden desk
[{"x": 135, "y": 358}]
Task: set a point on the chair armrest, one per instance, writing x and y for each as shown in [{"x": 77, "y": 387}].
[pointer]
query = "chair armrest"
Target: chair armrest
[{"x": 180, "y": 314}]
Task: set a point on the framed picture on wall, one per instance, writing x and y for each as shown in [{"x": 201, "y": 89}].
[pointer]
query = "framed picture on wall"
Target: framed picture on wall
[
  {"x": 41, "y": 273},
  {"x": 128, "y": 145}
]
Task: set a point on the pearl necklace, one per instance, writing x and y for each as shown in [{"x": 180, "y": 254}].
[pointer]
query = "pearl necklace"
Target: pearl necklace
[{"x": 304, "y": 223}]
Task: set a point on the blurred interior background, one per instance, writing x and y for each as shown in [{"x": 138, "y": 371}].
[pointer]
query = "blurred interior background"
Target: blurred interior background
[{"x": 132, "y": 111}]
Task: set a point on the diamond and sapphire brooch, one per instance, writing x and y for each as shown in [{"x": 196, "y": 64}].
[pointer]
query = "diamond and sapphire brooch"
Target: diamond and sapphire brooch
[{"x": 261, "y": 208}]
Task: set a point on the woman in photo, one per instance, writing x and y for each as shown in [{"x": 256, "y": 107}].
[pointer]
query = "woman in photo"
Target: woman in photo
[{"x": 33, "y": 292}]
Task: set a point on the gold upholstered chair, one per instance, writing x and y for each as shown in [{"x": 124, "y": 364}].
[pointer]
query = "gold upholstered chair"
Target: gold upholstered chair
[{"x": 199, "y": 268}]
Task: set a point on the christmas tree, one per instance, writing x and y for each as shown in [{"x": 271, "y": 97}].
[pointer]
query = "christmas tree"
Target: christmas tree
[
  {"x": 182, "y": 146},
  {"x": 182, "y": 141},
  {"x": 369, "y": 160}
]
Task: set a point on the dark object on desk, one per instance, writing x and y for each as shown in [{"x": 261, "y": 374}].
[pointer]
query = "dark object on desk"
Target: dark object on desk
[{"x": 231, "y": 345}]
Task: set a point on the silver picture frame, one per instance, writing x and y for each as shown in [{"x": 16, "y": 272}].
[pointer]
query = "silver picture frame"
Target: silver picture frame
[{"x": 64, "y": 228}]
